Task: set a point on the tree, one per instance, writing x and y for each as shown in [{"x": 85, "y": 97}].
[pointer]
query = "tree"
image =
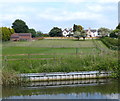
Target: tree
[
  {"x": 33, "y": 32},
  {"x": 118, "y": 27},
  {"x": 77, "y": 28},
  {"x": 104, "y": 32},
  {"x": 115, "y": 33},
  {"x": 6, "y": 33},
  {"x": 56, "y": 32},
  {"x": 83, "y": 34},
  {"x": 20, "y": 26},
  {"x": 78, "y": 34},
  {"x": 39, "y": 34}
]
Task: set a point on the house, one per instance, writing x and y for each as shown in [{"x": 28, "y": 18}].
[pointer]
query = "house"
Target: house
[
  {"x": 92, "y": 32},
  {"x": 67, "y": 32},
  {"x": 21, "y": 36}
]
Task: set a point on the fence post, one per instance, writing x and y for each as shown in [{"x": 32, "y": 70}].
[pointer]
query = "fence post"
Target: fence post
[
  {"x": 5, "y": 61},
  {"x": 76, "y": 51}
]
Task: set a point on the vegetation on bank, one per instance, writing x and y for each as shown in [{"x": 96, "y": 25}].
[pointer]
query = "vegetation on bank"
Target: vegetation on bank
[
  {"x": 111, "y": 43},
  {"x": 64, "y": 64},
  {"x": 9, "y": 77},
  {"x": 56, "y": 56}
]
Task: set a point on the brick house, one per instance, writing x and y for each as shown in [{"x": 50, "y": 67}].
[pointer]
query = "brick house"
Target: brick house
[{"x": 21, "y": 36}]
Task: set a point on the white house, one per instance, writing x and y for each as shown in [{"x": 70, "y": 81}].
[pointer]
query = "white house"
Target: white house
[
  {"x": 92, "y": 32},
  {"x": 67, "y": 31}
]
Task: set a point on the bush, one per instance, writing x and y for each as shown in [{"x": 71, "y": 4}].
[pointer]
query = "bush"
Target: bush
[
  {"x": 111, "y": 43},
  {"x": 41, "y": 38}
]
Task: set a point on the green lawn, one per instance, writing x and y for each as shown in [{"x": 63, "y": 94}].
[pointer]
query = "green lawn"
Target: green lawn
[
  {"x": 52, "y": 44},
  {"x": 38, "y": 50}
]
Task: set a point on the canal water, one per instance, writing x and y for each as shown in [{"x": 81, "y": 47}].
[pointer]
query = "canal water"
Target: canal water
[{"x": 74, "y": 89}]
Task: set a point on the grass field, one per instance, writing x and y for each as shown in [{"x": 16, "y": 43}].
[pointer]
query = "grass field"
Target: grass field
[
  {"x": 52, "y": 43},
  {"x": 58, "y": 56},
  {"x": 47, "y": 49}
]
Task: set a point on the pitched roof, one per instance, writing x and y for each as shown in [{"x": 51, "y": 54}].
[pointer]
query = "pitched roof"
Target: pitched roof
[
  {"x": 15, "y": 35},
  {"x": 24, "y": 34},
  {"x": 92, "y": 30},
  {"x": 18, "y": 35}
]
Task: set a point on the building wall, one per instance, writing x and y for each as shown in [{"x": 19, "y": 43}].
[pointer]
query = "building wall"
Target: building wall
[
  {"x": 25, "y": 38},
  {"x": 21, "y": 36}
]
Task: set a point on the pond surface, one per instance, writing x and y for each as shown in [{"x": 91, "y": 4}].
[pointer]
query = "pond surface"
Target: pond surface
[{"x": 77, "y": 89}]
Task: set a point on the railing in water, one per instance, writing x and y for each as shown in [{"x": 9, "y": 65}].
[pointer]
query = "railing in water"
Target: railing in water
[{"x": 64, "y": 76}]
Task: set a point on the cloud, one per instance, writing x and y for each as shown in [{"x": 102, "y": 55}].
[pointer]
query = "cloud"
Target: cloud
[
  {"x": 67, "y": 1},
  {"x": 108, "y": 1},
  {"x": 68, "y": 16},
  {"x": 35, "y": 13},
  {"x": 96, "y": 8}
]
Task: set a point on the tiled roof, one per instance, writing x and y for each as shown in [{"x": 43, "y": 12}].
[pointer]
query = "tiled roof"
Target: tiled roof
[
  {"x": 24, "y": 34},
  {"x": 18, "y": 35},
  {"x": 15, "y": 35},
  {"x": 92, "y": 30}
]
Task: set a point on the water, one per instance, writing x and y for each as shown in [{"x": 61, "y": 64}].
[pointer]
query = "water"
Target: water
[{"x": 77, "y": 89}]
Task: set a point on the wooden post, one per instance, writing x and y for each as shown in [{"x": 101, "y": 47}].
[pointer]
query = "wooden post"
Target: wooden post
[{"x": 76, "y": 51}]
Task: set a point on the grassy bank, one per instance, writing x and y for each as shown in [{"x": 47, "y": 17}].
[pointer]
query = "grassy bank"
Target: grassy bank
[
  {"x": 58, "y": 56},
  {"x": 111, "y": 43},
  {"x": 64, "y": 64}
]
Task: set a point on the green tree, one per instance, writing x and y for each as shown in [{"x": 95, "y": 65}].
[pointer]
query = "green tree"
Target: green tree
[
  {"x": 6, "y": 33},
  {"x": 33, "y": 32},
  {"x": 115, "y": 33},
  {"x": 56, "y": 32},
  {"x": 20, "y": 26},
  {"x": 104, "y": 32},
  {"x": 39, "y": 34},
  {"x": 83, "y": 34},
  {"x": 78, "y": 34},
  {"x": 118, "y": 27},
  {"x": 77, "y": 28}
]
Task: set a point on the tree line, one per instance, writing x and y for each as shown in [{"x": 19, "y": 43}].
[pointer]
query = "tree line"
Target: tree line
[
  {"x": 79, "y": 31},
  {"x": 19, "y": 26}
]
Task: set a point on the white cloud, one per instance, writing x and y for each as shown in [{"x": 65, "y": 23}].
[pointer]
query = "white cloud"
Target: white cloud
[
  {"x": 68, "y": 11},
  {"x": 23, "y": 9},
  {"x": 11, "y": 18},
  {"x": 72, "y": 1},
  {"x": 101, "y": 8},
  {"x": 68, "y": 16},
  {"x": 96, "y": 8},
  {"x": 108, "y": 1}
]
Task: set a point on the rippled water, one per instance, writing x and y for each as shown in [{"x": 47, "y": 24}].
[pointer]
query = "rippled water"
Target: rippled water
[{"x": 77, "y": 89}]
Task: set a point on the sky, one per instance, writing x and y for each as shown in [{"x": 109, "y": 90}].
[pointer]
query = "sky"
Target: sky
[{"x": 43, "y": 15}]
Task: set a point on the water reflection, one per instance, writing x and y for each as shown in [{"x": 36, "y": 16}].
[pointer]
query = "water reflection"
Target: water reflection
[{"x": 76, "y": 89}]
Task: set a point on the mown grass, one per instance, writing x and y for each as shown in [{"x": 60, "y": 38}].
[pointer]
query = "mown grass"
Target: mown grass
[
  {"x": 52, "y": 43},
  {"x": 51, "y": 49},
  {"x": 37, "y": 50}
]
